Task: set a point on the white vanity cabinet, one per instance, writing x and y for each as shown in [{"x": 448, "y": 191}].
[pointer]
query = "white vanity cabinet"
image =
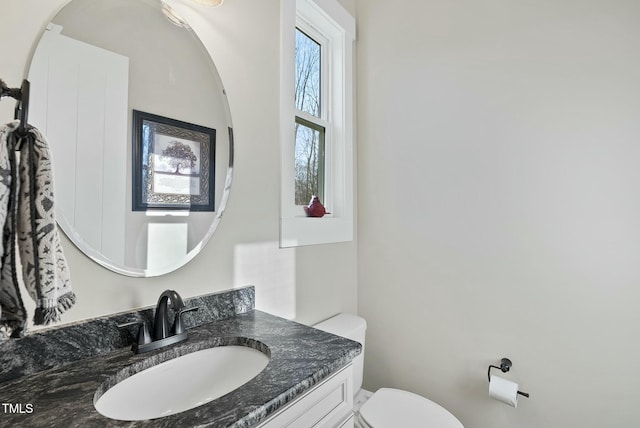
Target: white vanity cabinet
[{"x": 328, "y": 405}]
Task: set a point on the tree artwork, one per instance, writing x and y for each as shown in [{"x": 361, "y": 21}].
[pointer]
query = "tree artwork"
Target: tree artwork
[{"x": 179, "y": 156}]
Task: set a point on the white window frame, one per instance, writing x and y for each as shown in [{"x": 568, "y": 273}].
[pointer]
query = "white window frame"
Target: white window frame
[{"x": 335, "y": 29}]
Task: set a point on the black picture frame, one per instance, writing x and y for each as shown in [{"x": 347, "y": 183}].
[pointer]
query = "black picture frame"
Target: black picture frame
[{"x": 173, "y": 164}]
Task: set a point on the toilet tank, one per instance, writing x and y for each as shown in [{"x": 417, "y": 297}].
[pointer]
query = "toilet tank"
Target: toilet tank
[{"x": 352, "y": 327}]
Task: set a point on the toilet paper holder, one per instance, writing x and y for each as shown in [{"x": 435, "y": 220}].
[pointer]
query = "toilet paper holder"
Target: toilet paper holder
[{"x": 505, "y": 366}]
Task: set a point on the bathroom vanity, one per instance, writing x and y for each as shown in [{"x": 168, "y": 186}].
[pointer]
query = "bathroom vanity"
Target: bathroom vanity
[{"x": 52, "y": 378}]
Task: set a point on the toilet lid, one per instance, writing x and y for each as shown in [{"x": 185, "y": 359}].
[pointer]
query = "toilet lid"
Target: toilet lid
[{"x": 396, "y": 408}]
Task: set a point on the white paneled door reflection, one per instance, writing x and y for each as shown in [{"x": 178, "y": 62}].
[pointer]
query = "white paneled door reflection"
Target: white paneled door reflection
[{"x": 79, "y": 100}]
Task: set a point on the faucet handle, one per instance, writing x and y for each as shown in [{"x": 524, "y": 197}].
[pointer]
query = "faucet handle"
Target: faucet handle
[
  {"x": 143, "y": 332},
  {"x": 178, "y": 327}
]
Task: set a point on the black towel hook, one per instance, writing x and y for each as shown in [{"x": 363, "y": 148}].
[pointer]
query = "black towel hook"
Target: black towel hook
[{"x": 21, "y": 94}]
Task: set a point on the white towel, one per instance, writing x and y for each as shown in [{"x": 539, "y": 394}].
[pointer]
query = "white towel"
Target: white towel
[{"x": 44, "y": 268}]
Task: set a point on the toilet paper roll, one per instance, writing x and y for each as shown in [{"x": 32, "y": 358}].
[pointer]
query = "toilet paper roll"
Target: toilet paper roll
[{"x": 503, "y": 390}]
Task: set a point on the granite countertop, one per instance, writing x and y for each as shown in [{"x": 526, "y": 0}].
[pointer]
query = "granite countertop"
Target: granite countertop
[{"x": 300, "y": 357}]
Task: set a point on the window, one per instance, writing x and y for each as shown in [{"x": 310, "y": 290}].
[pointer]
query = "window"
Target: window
[
  {"x": 309, "y": 161},
  {"x": 316, "y": 121},
  {"x": 310, "y": 128},
  {"x": 308, "y": 76}
]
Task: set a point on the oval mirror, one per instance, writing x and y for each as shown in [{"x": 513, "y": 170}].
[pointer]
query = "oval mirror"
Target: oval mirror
[{"x": 140, "y": 132}]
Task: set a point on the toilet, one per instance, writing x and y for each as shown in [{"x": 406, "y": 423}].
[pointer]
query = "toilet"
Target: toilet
[{"x": 387, "y": 407}]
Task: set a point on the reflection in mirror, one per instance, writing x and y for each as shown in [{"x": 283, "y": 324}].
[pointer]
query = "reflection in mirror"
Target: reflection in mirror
[{"x": 97, "y": 62}]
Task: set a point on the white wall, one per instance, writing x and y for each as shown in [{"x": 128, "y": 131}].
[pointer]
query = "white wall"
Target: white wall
[
  {"x": 500, "y": 207},
  {"x": 308, "y": 284}
]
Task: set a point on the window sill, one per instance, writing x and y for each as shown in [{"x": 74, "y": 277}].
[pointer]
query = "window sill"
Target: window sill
[{"x": 299, "y": 231}]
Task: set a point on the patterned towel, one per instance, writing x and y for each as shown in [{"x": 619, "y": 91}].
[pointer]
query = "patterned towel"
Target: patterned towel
[
  {"x": 30, "y": 221},
  {"x": 12, "y": 313}
]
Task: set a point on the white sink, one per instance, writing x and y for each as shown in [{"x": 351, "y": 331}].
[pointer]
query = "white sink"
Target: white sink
[{"x": 182, "y": 383}]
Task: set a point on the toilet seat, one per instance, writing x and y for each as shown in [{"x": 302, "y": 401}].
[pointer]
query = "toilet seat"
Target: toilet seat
[{"x": 392, "y": 408}]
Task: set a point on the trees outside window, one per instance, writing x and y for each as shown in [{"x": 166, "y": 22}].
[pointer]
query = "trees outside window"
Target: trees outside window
[{"x": 309, "y": 141}]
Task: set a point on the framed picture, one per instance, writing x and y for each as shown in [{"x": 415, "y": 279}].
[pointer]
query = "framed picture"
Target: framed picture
[{"x": 173, "y": 164}]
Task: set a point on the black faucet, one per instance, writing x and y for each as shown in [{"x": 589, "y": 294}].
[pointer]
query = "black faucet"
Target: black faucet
[
  {"x": 161, "y": 320},
  {"x": 162, "y": 335}
]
